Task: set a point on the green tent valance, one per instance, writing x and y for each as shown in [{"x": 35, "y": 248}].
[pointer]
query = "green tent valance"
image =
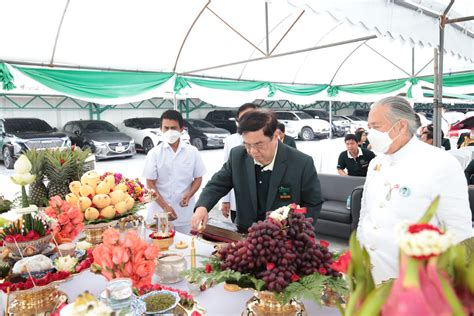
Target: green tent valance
[
  {"x": 454, "y": 80},
  {"x": 96, "y": 84},
  {"x": 6, "y": 78},
  {"x": 370, "y": 88}
]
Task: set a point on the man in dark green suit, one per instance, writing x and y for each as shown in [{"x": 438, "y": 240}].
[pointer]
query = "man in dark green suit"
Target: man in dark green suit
[
  {"x": 264, "y": 173},
  {"x": 285, "y": 139}
]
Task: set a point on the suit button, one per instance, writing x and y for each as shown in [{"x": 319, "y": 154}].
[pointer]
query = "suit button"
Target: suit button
[{"x": 260, "y": 182}]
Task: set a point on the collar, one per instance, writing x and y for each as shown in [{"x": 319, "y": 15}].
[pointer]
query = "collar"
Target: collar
[
  {"x": 405, "y": 150},
  {"x": 359, "y": 153},
  {"x": 268, "y": 167},
  {"x": 168, "y": 146}
]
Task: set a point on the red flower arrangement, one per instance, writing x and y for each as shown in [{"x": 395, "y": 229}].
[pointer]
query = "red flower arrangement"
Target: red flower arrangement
[
  {"x": 135, "y": 188},
  {"x": 86, "y": 263},
  {"x": 156, "y": 235},
  {"x": 31, "y": 282},
  {"x": 131, "y": 257},
  {"x": 68, "y": 219}
]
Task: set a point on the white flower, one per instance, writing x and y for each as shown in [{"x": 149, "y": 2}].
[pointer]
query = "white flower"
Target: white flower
[
  {"x": 22, "y": 165},
  {"x": 83, "y": 245},
  {"x": 66, "y": 263},
  {"x": 280, "y": 213},
  {"x": 425, "y": 243},
  {"x": 23, "y": 178}
]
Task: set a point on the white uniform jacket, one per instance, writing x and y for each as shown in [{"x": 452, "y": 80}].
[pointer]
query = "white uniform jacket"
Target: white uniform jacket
[{"x": 398, "y": 189}]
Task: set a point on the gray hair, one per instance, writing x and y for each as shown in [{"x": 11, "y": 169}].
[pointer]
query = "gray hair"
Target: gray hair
[{"x": 400, "y": 109}]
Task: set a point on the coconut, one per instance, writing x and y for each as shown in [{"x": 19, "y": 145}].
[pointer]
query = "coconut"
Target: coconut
[
  {"x": 101, "y": 200},
  {"x": 117, "y": 196},
  {"x": 91, "y": 213},
  {"x": 74, "y": 187},
  {"x": 108, "y": 212},
  {"x": 121, "y": 207},
  {"x": 84, "y": 203},
  {"x": 102, "y": 188},
  {"x": 130, "y": 202}
]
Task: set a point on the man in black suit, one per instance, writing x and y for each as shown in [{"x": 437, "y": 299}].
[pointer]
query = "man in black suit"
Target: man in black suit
[
  {"x": 466, "y": 139},
  {"x": 285, "y": 139},
  {"x": 264, "y": 174}
]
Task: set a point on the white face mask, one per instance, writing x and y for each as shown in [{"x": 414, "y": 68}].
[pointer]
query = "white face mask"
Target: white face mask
[
  {"x": 171, "y": 136},
  {"x": 380, "y": 141}
]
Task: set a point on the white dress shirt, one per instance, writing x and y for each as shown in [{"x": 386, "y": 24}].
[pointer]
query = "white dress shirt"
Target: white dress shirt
[
  {"x": 230, "y": 142},
  {"x": 174, "y": 173},
  {"x": 398, "y": 189}
]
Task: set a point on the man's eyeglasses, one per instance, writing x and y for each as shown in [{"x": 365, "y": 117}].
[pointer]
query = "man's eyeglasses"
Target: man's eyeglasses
[{"x": 257, "y": 146}]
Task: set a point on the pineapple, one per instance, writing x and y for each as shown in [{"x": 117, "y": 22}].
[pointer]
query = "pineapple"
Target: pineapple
[
  {"x": 38, "y": 194},
  {"x": 79, "y": 156},
  {"x": 60, "y": 169}
]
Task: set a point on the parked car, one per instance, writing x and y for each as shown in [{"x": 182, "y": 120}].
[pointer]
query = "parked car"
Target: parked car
[
  {"x": 355, "y": 123},
  {"x": 102, "y": 137},
  {"x": 146, "y": 132},
  {"x": 224, "y": 119},
  {"x": 307, "y": 126},
  {"x": 205, "y": 135},
  {"x": 20, "y": 134},
  {"x": 321, "y": 114},
  {"x": 362, "y": 115},
  {"x": 340, "y": 126}
]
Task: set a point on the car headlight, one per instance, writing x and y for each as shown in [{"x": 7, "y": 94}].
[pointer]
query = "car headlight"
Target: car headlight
[
  {"x": 209, "y": 135},
  {"x": 98, "y": 144},
  {"x": 67, "y": 141}
]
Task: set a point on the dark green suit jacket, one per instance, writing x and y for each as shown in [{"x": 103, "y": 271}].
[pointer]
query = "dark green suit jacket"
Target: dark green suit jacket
[
  {"x": 293, "y": 180},
  {"x": 290, "y": 141}
]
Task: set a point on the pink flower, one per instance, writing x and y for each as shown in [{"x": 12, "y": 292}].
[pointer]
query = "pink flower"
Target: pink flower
[
  {"x": 146, "y": 268},
  {"x": 294, "y": 277},
  {"x": 342, "y": 263},
  {"x": 55, "y": 201},
  {"x": 131, "y": 239},
  {"x": 151, "y": 252},
  {"x": 63, "y": 219},
  {"x": 120, "y": 255},
  {"x": 324, "y": 243},
  {"x": 110, "y": 237},
  {"x": 128, "y": 269}
]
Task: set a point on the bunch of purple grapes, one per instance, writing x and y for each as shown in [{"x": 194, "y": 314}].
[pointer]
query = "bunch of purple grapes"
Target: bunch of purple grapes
[{"x": 279, "y": 252}]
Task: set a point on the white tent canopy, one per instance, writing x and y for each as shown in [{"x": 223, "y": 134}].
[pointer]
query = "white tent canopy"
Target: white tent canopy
[{"x": 227, "y": 39}]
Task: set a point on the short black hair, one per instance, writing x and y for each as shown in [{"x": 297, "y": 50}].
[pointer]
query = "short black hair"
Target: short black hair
[
  {"x": 281, "y": 127},
  {"x": 358, "y": 135},
  {"x": 245, "y": 107},
  {"x": 430, "y": 129},
  {"x": 173, "y": 115},
  {"x": 256, "y": 120},
  {"x": 350, "y": 137}
]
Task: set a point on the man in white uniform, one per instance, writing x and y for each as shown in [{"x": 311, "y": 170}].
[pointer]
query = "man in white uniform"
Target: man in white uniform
[
  {"x": 228, "y": 204},
  {"x": 174, "y": 170},
  {"x": 402, "y": 182}
]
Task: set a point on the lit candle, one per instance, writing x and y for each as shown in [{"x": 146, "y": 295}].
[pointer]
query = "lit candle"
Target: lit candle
[{"x": 193, "y": 254}]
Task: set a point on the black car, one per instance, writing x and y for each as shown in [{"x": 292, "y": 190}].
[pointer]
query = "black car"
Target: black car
[
  {"x": 205, "y": 135},
  {"x": 361, "y": 114},
  {"x": 20, "y": 134},
  {"x": 224, "y": 119},
  {"x": 104, "y": 139}
]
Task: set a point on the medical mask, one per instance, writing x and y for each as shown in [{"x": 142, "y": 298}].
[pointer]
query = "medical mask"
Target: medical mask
[
  {"x": 171, "y": 136},
  {"x": 380, "y": 141}
]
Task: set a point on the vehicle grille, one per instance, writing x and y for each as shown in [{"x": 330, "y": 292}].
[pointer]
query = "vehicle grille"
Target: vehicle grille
[
  {"x": 44, "y": 143},
  {"x": 113, "y": 147}
]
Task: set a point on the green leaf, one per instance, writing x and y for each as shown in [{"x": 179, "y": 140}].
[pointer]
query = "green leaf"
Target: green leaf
[
  {"x": 429, "y": 213},
  {"x": 309, "y": 287},
  {"x": 375, "y": 300}
]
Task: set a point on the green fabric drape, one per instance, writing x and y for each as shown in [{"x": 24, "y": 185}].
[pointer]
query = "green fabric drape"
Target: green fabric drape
[
  {"x": 370, "y": 88},
  {"x": 97, "y": 84},
  {"x": 6, "y": 78},
  {"x": 183, "y": 82},
  {"x": 413, "y": 82},
  {"x": 454, "y": 80}
]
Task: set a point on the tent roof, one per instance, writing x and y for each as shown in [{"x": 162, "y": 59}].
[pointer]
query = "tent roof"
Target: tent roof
[{"x": 196, "y": 36}]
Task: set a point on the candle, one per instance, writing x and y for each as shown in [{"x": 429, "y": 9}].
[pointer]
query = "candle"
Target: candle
[{"x": 193, "y": 254}]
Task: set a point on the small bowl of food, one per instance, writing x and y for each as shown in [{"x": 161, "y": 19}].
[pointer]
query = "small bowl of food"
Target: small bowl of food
[{"x": 158, "y": 302}]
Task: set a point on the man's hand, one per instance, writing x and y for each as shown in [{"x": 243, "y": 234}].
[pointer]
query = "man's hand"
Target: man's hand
[
  {"x": 185, "y": 200},
  {"x": 225, "y": 209},
  {"x": 171, "y": 213},
  {"x": 199, "y": 219}
]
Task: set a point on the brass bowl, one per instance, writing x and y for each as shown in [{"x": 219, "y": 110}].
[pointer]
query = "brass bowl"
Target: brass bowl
[
  {"x": 94, "y": 232},
  {"x": 28, "y": 248},
  {"x": 42, "y": 303},
  {"x": 164, "y": 243},
  {"x": 264, "y": 303}
]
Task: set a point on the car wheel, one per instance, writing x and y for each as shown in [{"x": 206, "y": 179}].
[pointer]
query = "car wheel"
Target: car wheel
[
  {"x": 147, "y": 145},
  {"x": 8, "y": 159},
  {"x": 197, "y": 142},
  {"x": 307, "y": 133}
]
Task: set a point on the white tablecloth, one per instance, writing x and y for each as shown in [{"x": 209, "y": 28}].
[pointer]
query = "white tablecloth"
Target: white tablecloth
[{"x": 216, "y": 300}]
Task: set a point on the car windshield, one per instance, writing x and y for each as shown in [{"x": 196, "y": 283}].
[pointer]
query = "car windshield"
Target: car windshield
[
  {"x": 26, "y": 125},
  {"x": 354, "y": 118},
  {"x": 97, "y": 126},
  {"x": 304, "y": 116},
  {"x": 150, "y": 122},
  {"x": 200, "y": 124},
  {"x": 338, "y": 118}
]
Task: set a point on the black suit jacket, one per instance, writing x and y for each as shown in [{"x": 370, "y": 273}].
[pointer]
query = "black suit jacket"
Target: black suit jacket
[
  {"x": 293, "y": 172},
  {"x": 462, "y": 137},
  {"x": 290, "y": 141}
]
